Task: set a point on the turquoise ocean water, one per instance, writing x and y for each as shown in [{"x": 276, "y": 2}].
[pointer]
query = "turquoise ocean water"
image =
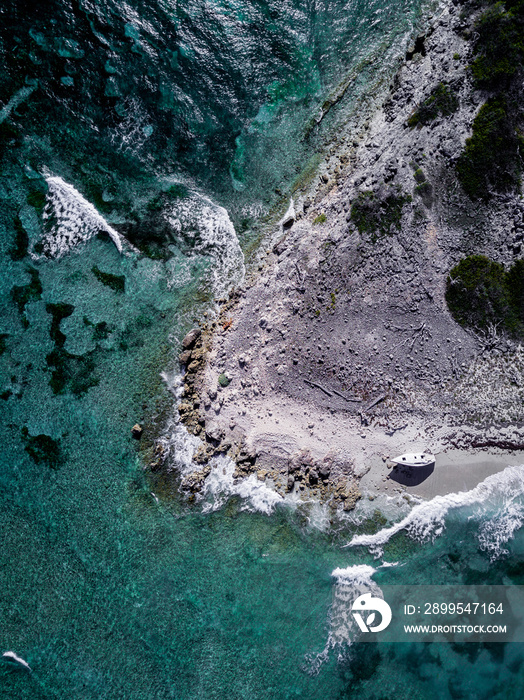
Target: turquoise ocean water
[{"x": 140, "y": 143}]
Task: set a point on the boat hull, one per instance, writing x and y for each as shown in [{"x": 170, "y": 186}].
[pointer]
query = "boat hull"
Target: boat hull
[{"x": 415, "y": 459}]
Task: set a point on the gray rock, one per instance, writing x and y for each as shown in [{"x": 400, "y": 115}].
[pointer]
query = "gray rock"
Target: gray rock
[
  {"x": 191, "y": 338},
  {"x": 136, "y": 431}
]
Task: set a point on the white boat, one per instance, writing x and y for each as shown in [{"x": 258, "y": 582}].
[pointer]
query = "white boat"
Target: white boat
[{"x": 415, "y": 459}]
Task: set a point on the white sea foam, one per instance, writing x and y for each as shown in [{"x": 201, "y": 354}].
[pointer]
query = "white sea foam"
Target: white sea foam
[
  {"x": 179, "y": 443},
  {"x": 69, "y": 219},
  {"x": 11, "y": 656},
  {"x": 220, "y": 486},
  {"x": 210, "y": 232},
  {"x": 497, "y": 502},
  {"x": 350, "y": 582},
  {"x": 495, "y": 533}
]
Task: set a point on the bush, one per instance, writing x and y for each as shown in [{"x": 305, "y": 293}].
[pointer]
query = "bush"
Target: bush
[
  {"x": 441, "y": 101},
  {"x": 490, "y": 160},
  {"x": 500, "y": 44},
  {"x": 320, "y": 219},
  {"x": 223, "y": 380},
  {"x": 480, "y": 293},
  {"x": 379, "y": 213}
]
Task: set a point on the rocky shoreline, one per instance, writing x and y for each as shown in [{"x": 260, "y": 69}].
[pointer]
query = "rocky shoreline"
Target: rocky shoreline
[{"x": 341, "y": 348}]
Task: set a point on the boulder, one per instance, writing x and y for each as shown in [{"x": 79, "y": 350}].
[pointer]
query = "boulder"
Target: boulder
[
  {"x": 184, "y": 357},
  {"x": 313, "y": 477},
  {"x": 136, "y": 431},
  {"x": 191, "y": 338}
]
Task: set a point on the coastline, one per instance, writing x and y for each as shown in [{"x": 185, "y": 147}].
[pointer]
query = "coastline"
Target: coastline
[
  {"x": 340, "y": 352},
  {"x": 454, "y": 471}
]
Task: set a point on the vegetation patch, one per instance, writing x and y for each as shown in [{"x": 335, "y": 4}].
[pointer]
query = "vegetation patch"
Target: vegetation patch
[
  {"x": 441, "y": 101},
  {"x": 481, "y": 294},
  {"x": 223, "y": 380},
  {"x": 320, "y": 219},
  {"x": 43, "y": 449},
  {"x": 490, "y": 161},
  {"x": 378, "y": 213},
  {"x": 499, "y": 44},
  {"x": 116, "y": 282}
]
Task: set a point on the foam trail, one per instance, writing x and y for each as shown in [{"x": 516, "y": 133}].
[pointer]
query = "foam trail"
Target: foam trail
[
  {"x": 350, "y": 583},
  {"x": 11, "y": 656},
  {"x": 69, "y": 219},
  {"x": 15, "y": 101},
  {"x": 500, "y": 498},
  {"x": 343, "y": 628}
]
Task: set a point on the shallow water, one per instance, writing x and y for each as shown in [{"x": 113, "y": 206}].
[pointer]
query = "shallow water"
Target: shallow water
[{"x": 139, "y": 143}]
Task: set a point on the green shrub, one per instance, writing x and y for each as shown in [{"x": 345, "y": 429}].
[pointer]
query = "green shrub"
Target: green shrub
[
  {"x": 223, "y": 380},
  {"x": 378, "y": 214},
  {"x": 480, "y": 293},
  {"x": 490, "y": 159},
  {"x": 499, "y": 46},
  {"x": 321, "y": 219},
  {"x": 441, "y": 101},
  {"x": 419, "y": 175}
]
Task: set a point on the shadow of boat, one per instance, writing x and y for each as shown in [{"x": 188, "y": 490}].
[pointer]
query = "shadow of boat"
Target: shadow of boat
[{"x": 411, "y": 476}]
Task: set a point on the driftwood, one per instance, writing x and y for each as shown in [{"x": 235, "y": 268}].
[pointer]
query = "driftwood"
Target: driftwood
[
  {"x": 347, "y": 398},
  {"x": 392, "y": 431},
  {"x": 318, "y": 386},
  {"x": 502, "y": 444},
  {"x": 374, "y": 403}
]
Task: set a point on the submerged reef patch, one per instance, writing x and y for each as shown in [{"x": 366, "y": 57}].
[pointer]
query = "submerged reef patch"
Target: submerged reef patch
[
  {"x": 42, "y": 449},
  {"x": 115, "y": 282},
  {"x": 68, "y": 371}
]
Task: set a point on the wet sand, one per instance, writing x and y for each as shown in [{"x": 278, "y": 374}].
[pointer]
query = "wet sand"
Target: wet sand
[{"x": 453, "y": 471}]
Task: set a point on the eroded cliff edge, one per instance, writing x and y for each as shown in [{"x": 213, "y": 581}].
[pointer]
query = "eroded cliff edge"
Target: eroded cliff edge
[{"x": 341, "y": 350}]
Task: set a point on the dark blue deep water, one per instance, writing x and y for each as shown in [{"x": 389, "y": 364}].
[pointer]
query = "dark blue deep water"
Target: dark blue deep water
[{"x": 141, "y": 144}]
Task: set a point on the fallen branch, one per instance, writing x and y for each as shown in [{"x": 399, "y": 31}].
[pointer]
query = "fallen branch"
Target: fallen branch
[
  {"x": 392, "y": 431},
  {"x": 318, "y": 386},
  {"x": 346, "y": 398},
  {"x": 374, "y": 403}
]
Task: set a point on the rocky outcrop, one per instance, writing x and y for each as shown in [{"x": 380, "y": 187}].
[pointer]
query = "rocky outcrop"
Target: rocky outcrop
[{"x": 342, "y": 348}]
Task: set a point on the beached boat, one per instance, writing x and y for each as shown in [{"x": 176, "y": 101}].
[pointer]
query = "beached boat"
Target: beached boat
[{"x": 415, "y": 459}]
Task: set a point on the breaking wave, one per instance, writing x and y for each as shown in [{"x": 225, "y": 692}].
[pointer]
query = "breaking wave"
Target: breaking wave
[
  {"x": 349, "y": 583},
  {"x": 220, "y": 484},
  {"x": 206, "y": 229},
  {"x": 69, "y": 219},
  {"x": 497, "y": 503}
]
